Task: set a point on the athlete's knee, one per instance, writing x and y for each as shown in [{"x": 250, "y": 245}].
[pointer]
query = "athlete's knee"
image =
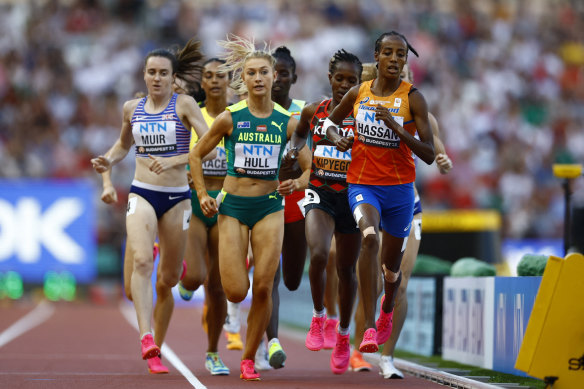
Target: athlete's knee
[
  {"x": 261, "y": 289},
  {"x": 168, "y": 279},
  {"x": 370, "y": 238},
  {"x": 389, "y": 276},
  {"x": 192, "y": 282},
  {"x": 234, "y": 296},
  {"x": 292, "y": 283},
  {"x": 143, "y": 265},
  {"x": 319, "y": 256},
  {"x": 346, "y": 273}
]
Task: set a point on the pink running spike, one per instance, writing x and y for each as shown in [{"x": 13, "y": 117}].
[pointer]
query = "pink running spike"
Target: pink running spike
[
  {"x": 155, "y": 366},
  {"x": 341, "y": 354},
  {"x": 330, "y": 333},
  {"x": 149, "y": 348},
  {"x": 369, "y": 343},
  {"x": 384, "y": 324},
  {"x": 315, "y": 337},
  {"x": 248, "y": 372}
]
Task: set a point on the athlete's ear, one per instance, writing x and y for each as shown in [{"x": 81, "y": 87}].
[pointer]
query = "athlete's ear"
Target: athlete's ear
[
  {"x": 294, "y": 78},
  {"x": 330, "y": 76}
]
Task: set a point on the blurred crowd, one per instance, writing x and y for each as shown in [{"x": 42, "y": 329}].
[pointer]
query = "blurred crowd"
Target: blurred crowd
[{"x": 504, "y": 78}]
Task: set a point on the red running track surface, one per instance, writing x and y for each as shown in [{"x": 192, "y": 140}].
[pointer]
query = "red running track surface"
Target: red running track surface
[{"x": 79, "y": 345}]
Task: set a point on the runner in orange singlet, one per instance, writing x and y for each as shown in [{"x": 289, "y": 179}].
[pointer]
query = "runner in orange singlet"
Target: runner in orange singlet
[{"x": 388, "y": 112}]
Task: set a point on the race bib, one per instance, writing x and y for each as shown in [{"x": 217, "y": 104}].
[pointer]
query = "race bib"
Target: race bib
[
  {"x": 155, "y": 137},
  {"x": 374, "y": 132},
  {"x": 257, "y": 160},
  {"x": 300, "y": 204},
  {"x": 216, "y": 167},
  {"x": 131, "y": 207},
  {"x": 310, "y": 197},
  {"x": 330, "y": 163}
]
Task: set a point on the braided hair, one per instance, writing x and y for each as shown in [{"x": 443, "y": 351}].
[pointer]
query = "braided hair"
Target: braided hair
[
  {"x": 344, "y": 56},
  {"x": 283, "y": 53},
  {"x": 394, "y": 33}
]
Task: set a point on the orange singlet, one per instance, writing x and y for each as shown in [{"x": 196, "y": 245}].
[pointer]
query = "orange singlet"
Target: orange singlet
[{"x": 378, "y": 156}]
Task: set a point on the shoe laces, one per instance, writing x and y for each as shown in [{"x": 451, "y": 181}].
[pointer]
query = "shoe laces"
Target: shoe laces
[
  {"x": 385, "y": 321},
  {"x": 316, "y": 326},
  {"x": 247, "y": 365},
  {"x": 343, "y": 344},
  {"x": 215, "y": 360},
  {"x": 370, "y": 334}
]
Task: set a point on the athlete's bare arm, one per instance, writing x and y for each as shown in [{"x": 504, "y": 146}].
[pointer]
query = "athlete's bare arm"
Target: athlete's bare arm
[
  {"x": 442, "y": 160},
  {"x": 305, "y": 161},
  {"x": 222, "y": 126},
  {"x": 338, "y": 114},
  {"x": 122, "y": 146},
  {"x": 423, "y": 148}
]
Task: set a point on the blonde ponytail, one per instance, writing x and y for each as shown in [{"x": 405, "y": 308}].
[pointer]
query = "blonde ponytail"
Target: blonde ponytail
[
  {"x": 369, "y": 71},
  {"x": 238, "y": 51}
]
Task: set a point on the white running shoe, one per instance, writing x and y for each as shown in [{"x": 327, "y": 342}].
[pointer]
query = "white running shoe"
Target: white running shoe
[
  {"x": 261, "y": 358},
  {"x": 387, "y": 369}
]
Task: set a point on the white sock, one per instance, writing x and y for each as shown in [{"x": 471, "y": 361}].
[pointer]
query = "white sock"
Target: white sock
[
  {"x": 343, "y": 331},
  {"x": 333, "y": 317},
  {"x": 147, "y": 333},
  {"x": 316, "y": 313}
]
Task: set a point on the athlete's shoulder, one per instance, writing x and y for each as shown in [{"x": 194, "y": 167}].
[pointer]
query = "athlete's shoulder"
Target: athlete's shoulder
[
  {"x": 362, "y": 89},
  {"x": 365, "y": 86},
  {"x": 282, "y": 110},
  {"x": 312, "y": 107},
  {"x": 298, "y": 103},
  {"x": 184, "y": 101},
  {"x": 130, "y": 106},
  {"x": 237, "y": 106}
]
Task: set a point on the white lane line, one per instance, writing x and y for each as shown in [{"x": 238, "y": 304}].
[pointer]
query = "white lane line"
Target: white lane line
[
  {"x": 169, "y": 355},
  {"x": 32, "y": 319}
]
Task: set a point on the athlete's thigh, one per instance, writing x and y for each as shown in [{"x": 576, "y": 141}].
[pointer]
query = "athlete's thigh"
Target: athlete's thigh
[
  {"x": 172, "y": 231},
  {"x": 233, "y": 245},
  {"x": 367, "y": 218},
  {"x": 141, "y": 227},
  {"x": 347, "y": 248},
  {"x": 267, "y": 236},
  {"x": 412, "y": 247}
]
